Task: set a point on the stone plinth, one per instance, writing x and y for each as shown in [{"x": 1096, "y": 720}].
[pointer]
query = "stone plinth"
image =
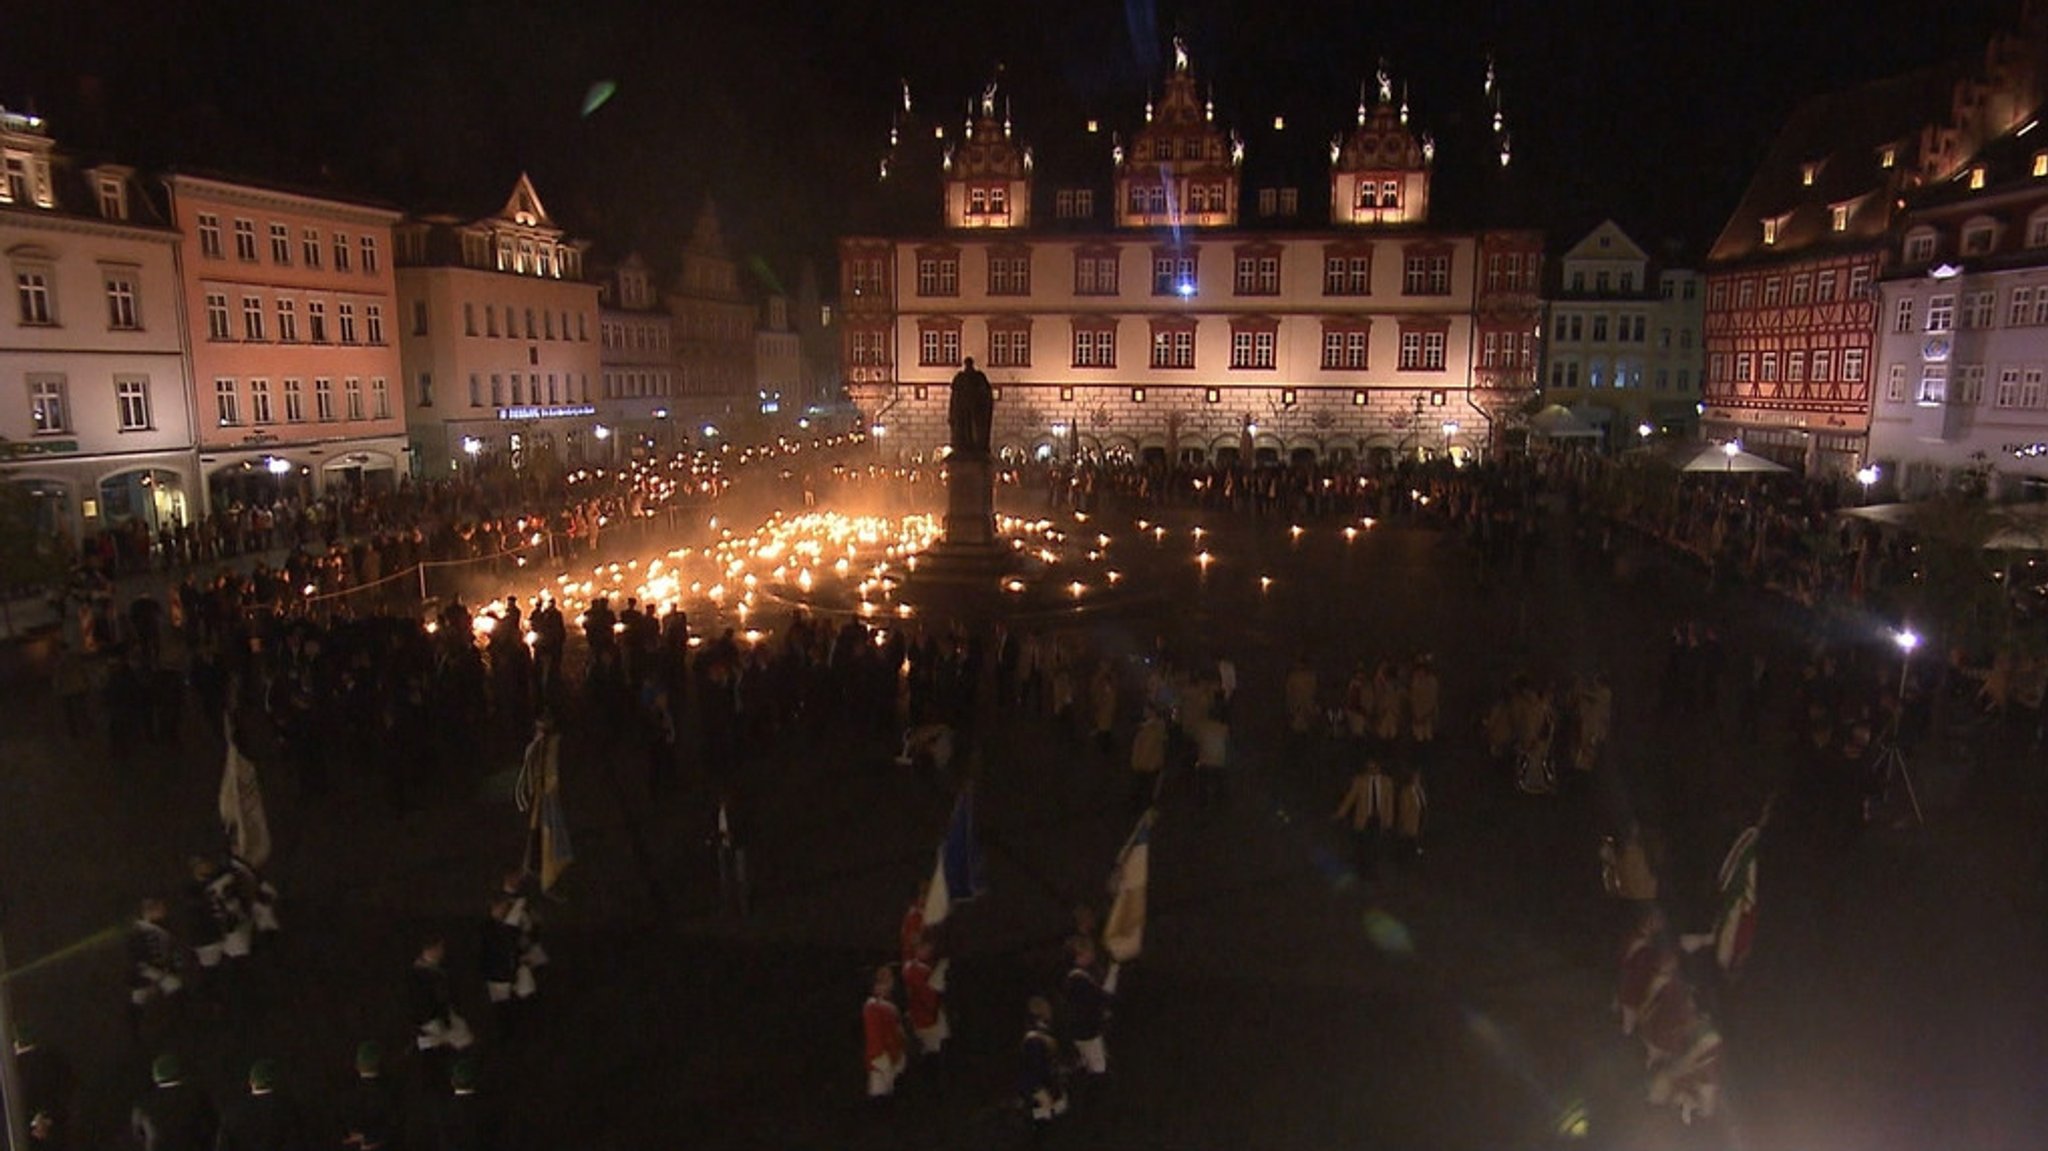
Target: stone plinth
[{"x": 970, "y": 503}]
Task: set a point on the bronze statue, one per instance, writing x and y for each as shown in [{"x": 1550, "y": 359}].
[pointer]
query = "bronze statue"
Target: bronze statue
[{"x": 971, "y": 411}]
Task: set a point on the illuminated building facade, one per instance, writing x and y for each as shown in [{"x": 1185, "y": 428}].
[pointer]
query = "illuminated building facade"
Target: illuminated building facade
[
  {"x": 1178, "y": 304},
  {"x": 292, "y": 318},
  {"x": 1793, "y": 296},
  {"x": 1623, "y": 344},
  {"x": 96, "y": 423},
  {"x": 1961, "y": 395},
  {"x": 500, "y": 339}
]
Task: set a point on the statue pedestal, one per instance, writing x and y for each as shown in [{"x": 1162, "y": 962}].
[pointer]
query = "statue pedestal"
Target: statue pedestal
[
  {"x": 970, "y": 503},
  {"x": 970, "y": 557}
]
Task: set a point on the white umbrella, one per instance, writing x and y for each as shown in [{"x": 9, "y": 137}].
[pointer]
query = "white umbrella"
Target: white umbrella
[
  {"x": 1558, "y": 422},
  {"x": 1728, "y": 457}
]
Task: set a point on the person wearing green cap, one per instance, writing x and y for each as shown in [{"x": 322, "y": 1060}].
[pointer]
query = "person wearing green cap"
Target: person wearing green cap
[
  {"x": 266, "y": 1120},
  {"x": 173, "y": 1115},
  {"x": 370, "y": 1114},
  {"x": 467, "y": 1120}
]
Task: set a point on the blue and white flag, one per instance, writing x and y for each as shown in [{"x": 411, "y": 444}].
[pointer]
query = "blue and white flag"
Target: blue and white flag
[
  {"x": 957, "y": 872},
  {"x": 1123, "y": 934}
]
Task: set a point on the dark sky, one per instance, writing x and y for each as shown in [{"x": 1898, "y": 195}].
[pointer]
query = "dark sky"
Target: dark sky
[{"x": 1653, "y": 112}]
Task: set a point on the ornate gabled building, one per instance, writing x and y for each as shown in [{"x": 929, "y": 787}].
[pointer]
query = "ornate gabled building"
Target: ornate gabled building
[
  {"x": 713, "y": 331},
  {"x": 1793, "y": 299},
  {"x": 500, "y": 338},
  {"x": 1178, "y": 302}
]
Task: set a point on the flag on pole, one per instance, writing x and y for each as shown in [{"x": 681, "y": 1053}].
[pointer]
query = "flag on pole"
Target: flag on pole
[
  {"x": 957, "y": 872},
  {"x": 241, "y": 805},
  {"x": 540, "y": 796},
  {"x": 1123, "y": 935},
  {"x": 1735, "y": 930}
]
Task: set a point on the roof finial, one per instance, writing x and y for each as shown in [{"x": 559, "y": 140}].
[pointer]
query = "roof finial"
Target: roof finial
[
  {"x": 885, "y": 168},
  {"x": 1180, "y": 54},
  {"x": 988, "y": 99},
  {"x": 1006, "y": 117},
  {"x": 1386, "y": 80},
  {"x": 1209, "y": 108},
  {"x": 1336, "y": 149},
  {"x": 1027, "y": 158},
  {"x": 1148, "y": 107},
  {"x": 1489, "y": 74},
  {"x": 1361, "y": 103},
  {"x": 1236, "y": 148},
  {"x": 906, "y": 94},
  {"x": 1116, "y": 148},
  {"x": 1428, "y": 149},
  {"x": 1505, "y": 149},
  {"x": 893, "y": 134},
  {"x": 1404, "y": 103}
]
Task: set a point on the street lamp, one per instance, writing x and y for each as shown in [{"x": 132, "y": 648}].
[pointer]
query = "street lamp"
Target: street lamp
[
  {"x": 1450, "y": 429},
  {"x": 1892, "y": 761},
  {"x": 1645, "y": 430},
  {"x": 1867, "y": 475}
]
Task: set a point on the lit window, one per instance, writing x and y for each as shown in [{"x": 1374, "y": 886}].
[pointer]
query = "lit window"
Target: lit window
[
  {"x": 131, "y": 398},
  {"x": 48, "y": 405},
  {"x": 1771, "y": 230},
  {"x": 1976, "y": 177},
  {"x": 1838, "y": 217}
]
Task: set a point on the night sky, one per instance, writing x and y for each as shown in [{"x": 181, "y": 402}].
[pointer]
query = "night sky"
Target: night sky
[{"x": 1654, "y": 113}]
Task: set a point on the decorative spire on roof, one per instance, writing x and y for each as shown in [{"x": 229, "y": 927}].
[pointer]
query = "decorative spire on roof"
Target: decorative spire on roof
[
  {"x": 1386, "y": 80},
  {"x": 1488, "y": 88},
  {"x": 906, "y": 97},
  {"x": 1180, "y": 54}
]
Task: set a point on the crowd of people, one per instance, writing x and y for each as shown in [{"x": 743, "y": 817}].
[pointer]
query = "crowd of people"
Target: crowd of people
[{"x": 326, "y": 684}]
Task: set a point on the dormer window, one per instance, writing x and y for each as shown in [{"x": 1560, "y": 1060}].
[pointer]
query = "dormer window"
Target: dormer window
[
  {"x": 2040, "y": 167},
  {"x": 1807, "y": 172},
  {"x": 1977, "y": 177},
  {"x": 1770, "y": 230},
  {"x": 1888, "y": 157},
  {"x": 113, "y": 199},
  {"x": 1838, "y": 218},
  {"x": 1978, "y": 237},
  {"x": 1920, "y": 247}
]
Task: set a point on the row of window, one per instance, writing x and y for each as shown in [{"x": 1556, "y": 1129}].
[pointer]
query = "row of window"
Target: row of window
[
  {"x": 2025, "y": 306},
  {"x": 1571, "y": 328},
  {"x": 1176, "y": 274},
  {"x": 2019, "y": 386},
  {"x": 526, "y": 389},
  {"x": 1806, "y": 287},
  {"x": 1344, "y": 348},
  {"x": 540, "y": 325},
  {"x": 1979, "y": 237},
  {"x": 1817, "y": 365},
  {"x": 642, "y": 337},
  {"x": 627, "y": 385},
  {"x": 1564, "y": 374},
  {"x": 49, "y": 402},
  {"x": 228, "y": 394},
  {"x": 310, "y": 247},
  {"x": 254, "y": 327},
  {"x": 35, "y": 296}
]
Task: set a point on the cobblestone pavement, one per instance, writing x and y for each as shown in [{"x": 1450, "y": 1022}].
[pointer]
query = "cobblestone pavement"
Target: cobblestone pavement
[{"x": 1894, "y": 1000}]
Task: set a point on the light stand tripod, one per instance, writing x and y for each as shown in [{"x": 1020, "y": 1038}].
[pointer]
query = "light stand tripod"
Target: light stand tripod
[{"x": 1891, "y": 759}]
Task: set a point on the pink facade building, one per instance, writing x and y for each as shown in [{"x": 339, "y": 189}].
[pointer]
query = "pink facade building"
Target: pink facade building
[{"x": 290, "y": 307}]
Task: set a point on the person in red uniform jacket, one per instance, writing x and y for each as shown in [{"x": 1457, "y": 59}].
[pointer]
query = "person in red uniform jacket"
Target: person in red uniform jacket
[
  {"x": 924, "y": 987},
  {"x": 882, "y": 1024},
  {"x": 912, "y": 928}
]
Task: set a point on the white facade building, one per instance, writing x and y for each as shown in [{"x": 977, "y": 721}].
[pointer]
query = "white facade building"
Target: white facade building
[
  {"x": 95, "y": 415},
  {"x": 1182, "y": 333},
  {"x": 1623, "y": 340},
  {"x": 500, "y": 344},
  {"x": 1961, "y": 395}
]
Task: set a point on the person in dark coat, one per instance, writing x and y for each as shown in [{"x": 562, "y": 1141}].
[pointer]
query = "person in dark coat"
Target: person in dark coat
[
  {"x": 467, "y": 1121},
  {"x": 370, "y": 1117},
  {"x": 266, "y": 1120},
  {"x": 173, "y": 1115},
  {"x": 1038, "y": 1074}
]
